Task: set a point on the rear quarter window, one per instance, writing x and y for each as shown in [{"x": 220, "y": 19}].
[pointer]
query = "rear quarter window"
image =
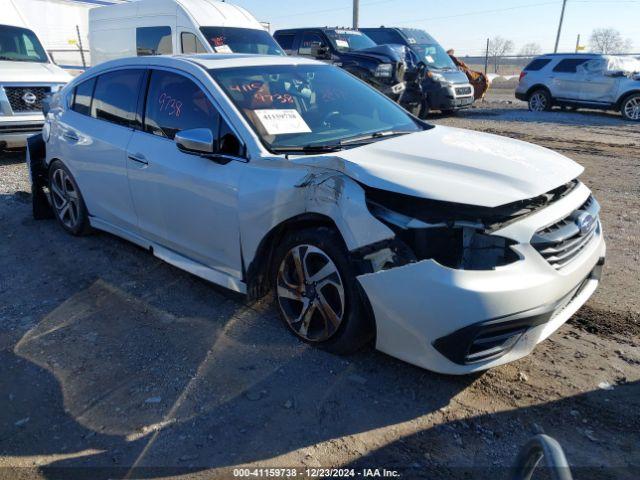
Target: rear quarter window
[
  {"x": 537, "y": 64},
  {"x": 569, "y": 65},
  {"x": 83, "y": 96}
]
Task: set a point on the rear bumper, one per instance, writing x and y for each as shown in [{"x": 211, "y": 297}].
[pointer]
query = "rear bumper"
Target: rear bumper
[{"x": 521, "y": 96}]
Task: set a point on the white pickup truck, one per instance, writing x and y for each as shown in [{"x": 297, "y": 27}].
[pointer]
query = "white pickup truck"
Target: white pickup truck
[{"x": 27, "y": 76}]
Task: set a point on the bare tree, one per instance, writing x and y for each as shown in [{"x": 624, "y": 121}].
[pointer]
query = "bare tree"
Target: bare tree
[
  {"x": 498, "y": 47},
  {"x": 609, "y": 40},
  {"x": 530, "y": 50}
]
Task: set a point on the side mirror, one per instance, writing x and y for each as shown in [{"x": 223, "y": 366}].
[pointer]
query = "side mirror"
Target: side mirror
[
  {"x": 196, "y": 140},
  {"x": 321, "y": 52}
]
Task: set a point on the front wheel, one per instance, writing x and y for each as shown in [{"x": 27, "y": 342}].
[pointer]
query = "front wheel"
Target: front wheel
[
  {"x": 316, "y": 291},
  {"x": 66, "y": 199},
  {"x": 630, "y": 107},
  {"x": 540, "y": 101}
]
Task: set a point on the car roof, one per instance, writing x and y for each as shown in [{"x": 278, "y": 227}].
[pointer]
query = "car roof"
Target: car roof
[
  {"x": 210, "y": 61},
  {"x": 569, "y": 55}
]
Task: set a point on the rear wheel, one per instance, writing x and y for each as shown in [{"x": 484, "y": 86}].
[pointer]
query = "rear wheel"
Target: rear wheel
[
  {"x": 540, "y": 101},
  {"x": 67, "y": 202},
  {"x": 630, "y": 107},
  {"x": 316, "y": 291}
]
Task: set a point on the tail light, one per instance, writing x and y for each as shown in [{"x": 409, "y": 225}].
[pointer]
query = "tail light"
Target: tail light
[{"x": 522, "y": 75}]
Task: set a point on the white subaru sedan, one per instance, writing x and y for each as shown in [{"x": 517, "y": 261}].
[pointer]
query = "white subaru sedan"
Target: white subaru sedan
[{"x": 453, "y": 250}]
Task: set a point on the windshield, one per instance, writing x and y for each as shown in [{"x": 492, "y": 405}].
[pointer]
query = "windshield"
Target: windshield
[
  {"x": 298, "y": 106},
  {"x": 241, "y": 40},
  {"x": 345, "y": 40},
  {"x": 427, "y": 49},
  {"x": 20, "y": 45}
]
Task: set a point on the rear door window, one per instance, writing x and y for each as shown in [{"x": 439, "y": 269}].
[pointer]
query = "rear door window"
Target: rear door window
[
  {"x": 286, "y": 40},
  {"x": 83, "y": 97},
  {"x": 537, "y": 64},
  {"x": 116, "y": 97},
  {"x": 569, "y": 65},
  {"x": 154, "y": 41},
  {"x": 176, "y": 103}
]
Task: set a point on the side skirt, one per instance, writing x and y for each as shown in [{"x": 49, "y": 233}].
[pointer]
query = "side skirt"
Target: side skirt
[{"x": 174, "y": 258}]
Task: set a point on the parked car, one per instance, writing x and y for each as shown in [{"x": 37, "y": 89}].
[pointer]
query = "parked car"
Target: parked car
[
  {"x": 27, "y": 77},
  {"x": 381, "y": 66},
  {"x": 439, "y": 83},
  {"x": 456, "y": 250},
  {"x": 164, "y": 27},
  {"x": 582, "y": 80}
]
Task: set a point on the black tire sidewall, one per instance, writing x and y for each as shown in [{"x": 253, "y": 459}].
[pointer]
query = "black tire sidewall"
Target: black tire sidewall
[
  {"x": 82, "y": 227},
  {"x": 356, "y": 329}
]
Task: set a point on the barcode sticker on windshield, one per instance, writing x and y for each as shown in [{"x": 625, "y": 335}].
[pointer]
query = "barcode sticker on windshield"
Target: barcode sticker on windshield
[
  {"x": 281, "y": 122},
  {"x": 428, "y": 58},
  {"x": 342, "y": 44}
]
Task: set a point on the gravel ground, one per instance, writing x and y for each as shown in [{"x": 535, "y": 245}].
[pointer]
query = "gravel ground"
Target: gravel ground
[{"x": 113, "y": 359}]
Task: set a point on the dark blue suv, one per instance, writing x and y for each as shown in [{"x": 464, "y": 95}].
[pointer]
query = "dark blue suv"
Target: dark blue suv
[
  {"x": 382, "y": 66},
  {"x": 440, "y": 83}
]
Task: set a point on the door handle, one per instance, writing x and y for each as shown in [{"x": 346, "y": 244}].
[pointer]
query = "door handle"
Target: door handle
[
  {"x": 72, "y": 137},
  {"x": 139, "y": 158}
]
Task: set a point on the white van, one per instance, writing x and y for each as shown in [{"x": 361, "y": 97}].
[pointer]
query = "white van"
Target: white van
[
  {"x": 27, "y": 76},
  {"x": 166, "y": 27}
]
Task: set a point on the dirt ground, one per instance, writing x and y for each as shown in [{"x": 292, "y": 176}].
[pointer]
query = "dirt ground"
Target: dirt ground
[{"x": 114, "y": 364}]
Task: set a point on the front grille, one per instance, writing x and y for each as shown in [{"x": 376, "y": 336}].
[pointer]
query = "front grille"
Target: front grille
[
  {"x": 26, "y": 99},
  {"x": 31, "y": 128},
  {"x": 463, "y": 91},
  {"x": 561, "y": 242}
]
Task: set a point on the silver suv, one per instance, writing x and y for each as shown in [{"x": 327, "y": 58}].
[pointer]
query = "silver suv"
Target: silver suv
[{"x": 582, "y": 80}]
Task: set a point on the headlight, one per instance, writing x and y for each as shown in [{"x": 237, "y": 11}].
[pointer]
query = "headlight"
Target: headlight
[
  {"x": 438, "y": 77},
  {"x": 454, "y": 244},
  {"x": 384, "y": 70}
]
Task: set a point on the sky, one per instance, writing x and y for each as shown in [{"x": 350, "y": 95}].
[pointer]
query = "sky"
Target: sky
[{"x": 464, "y": 25}]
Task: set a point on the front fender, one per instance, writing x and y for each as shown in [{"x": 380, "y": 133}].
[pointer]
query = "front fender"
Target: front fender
[{"x": 277, "y": 191}]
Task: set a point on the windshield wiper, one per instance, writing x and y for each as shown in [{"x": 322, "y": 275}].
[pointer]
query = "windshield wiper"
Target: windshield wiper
[
  {"x": 308, "y": 149},
  {"x": 373, "y": 136}
]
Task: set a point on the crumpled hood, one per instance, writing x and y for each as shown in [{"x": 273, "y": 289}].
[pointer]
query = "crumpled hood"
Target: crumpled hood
[
  {"x": 382, "y": 53},
  {"x": 32, "y": 72},
  {"x": 454, "y": 165}
]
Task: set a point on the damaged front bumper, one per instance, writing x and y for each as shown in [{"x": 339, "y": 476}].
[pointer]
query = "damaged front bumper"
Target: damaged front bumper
[{"x": 457, "y": 321}]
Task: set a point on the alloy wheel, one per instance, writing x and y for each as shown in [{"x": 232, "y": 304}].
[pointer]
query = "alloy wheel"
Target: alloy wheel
[
  {"x": 632, "y": 108},
  {"x": 310, "y": 293},
  {"x": 538, "y": 102},
  {"x": 66, "y": 200}
]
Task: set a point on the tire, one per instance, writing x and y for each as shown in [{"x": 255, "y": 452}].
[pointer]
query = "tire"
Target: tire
[
  {"x": 540, "y": 100},
  {"x": 67, "y": 202},
  {"x": 425, "y": 110},
  {"x": 630, "y": 107},
  {"x": 323, "y": 278}
]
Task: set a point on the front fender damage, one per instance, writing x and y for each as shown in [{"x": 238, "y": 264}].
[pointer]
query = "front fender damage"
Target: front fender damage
[{"x": 320, "y": 196}]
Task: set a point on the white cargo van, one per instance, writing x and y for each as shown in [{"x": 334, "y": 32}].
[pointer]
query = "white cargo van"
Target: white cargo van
[
  {"x": 27, "y": 76},
  {"x": 166, "y": 27}
]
